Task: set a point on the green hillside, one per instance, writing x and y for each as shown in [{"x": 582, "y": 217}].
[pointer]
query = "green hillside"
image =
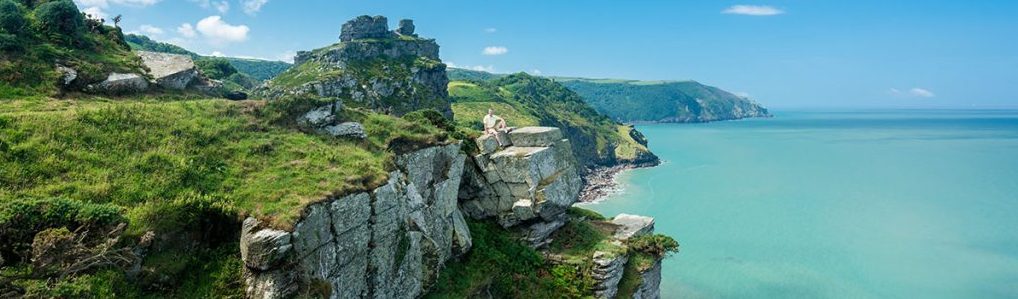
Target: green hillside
[
  {"x": 35, "y": 36},
  {"x": 528, "y": 100},
  {"x": 648, "y": 101},
  {"x": 662, "y": 101},
  {"x": 187, "y": 171}
]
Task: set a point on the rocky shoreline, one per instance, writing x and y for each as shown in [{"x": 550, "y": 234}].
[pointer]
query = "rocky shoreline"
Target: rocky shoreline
[{"x": 600, "y": 182}]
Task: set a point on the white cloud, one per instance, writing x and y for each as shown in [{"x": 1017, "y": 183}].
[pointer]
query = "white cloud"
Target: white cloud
[
  {"x": 915, "y": 92},
  {"x": 222, "y": 6},
  {"x": 217, "y": 54},
  {"x": 186, "y": 30},
  {"x": 536, "y": 72},
  {"x": 252, "y": 7},
  {"x": 219, "y": 33},
  {"x": 495, "y": 50},
  {"x": 920, "y": 92},
  {"x": 150, "y": 30},
  {"x": 753, "y": 10},
  {"x": 490, "y": 30},
  {"x": 741, "y": 94},
  {"x": 96, "y": 12}
]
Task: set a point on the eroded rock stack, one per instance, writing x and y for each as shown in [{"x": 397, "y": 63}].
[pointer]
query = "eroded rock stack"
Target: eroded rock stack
[
  {"x": 386, "y": 71},
  {"x": 530, "y": 181},
  {"x": 390, "y": 242},
  {"x": 609, "y": 266}
]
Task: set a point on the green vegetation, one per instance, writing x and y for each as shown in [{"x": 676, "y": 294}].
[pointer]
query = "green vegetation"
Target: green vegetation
[
  {"x": 685, "y": 101},
  {"x": 525, "y": 100},
  {"x": 236, "y": 73},
  {"x": 647, "y": 101},
  {"x": 35, "y": 34},
  {"x": 186, "y": 170},
  {"x": 500, "y": 266}
]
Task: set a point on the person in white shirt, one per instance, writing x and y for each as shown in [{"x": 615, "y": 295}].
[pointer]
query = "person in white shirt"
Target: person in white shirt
[{"x": 493, "y": 125}]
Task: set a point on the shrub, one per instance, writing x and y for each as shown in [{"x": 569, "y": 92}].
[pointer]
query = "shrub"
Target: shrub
[
  {"x": 12, "y": 19},
  {"x": 21, "y": 219},
  {"x": 216, "y": 68},
  {"x": 60, "y": 18},
  {"x": 429, "y": 117},
  {"x": 657, "y": 245},
  {"x": 9, "y": 42}
]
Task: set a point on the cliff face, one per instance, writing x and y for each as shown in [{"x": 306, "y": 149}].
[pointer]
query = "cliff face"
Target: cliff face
[
  {"x": 371, "y": 67},
  {"x": 387, "y": 243},
  {"x": 393, "y": 241}
]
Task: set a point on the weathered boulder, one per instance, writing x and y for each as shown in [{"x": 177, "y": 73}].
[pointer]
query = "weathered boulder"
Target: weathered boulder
[
  {"x": 632, "y": 225},
  {"x": 262, "y": 248},
  {"x": 406, "y": 27},
  {"x": 170, "y": 71},
  {"x": 118, "y": 84},
  {"x": 365, "y": 27},
  {"x": 532, "y": 185},
  {"x": 347, "y": 129},
  {"x": 390, "y": 242},
  {"x": 535, "y": 136},
  {"x": 67, "y": 75}
]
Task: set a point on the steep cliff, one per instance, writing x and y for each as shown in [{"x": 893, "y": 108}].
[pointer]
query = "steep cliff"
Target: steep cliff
[
  {"x": 529, "y": 100},
  {"x": 370, "y": 67},
  {"x": 387, "y": 243},
  {"x": 663, "y": 101}
]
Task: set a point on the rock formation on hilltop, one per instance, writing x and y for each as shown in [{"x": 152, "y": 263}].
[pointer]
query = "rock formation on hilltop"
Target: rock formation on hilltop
[{"x": 393, "y": 72}]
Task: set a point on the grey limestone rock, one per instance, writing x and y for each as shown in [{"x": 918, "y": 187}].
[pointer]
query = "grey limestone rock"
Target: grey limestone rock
[
  {"x": 608, "y": 270},
  {"x": 632, "y": 225},
  {"x": 261, "y": 248},
  {"x": 365, "y": 27},
  {"x": 118, "y": 84},
  {"x": 535, "y": 136},
  {"x": 406, "y": 27},
  {"x": 388, "y": 243},
  {"x": 347, "y": 129},
  {"x": 67, "y": 75},
  {"x": 650, "y": 283},
  {"x": 170, "y": 71}
]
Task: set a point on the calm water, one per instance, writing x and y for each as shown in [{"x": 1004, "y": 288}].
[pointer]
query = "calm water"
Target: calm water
[{"x": 874, "y": 204}]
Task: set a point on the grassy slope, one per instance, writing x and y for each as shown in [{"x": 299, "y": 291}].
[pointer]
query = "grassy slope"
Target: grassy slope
[
  {"x": 525, "y": 100},
  {"x": 187, "y": 170}
]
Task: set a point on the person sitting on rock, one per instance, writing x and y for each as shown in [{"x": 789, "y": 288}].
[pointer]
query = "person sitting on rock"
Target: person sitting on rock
[{"x": 493, "y": 125}]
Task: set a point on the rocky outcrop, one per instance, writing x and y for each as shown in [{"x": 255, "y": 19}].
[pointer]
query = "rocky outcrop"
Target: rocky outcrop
[
  {"x": 389, "y": 242},
  {"x": 533, "y": 178},
  {"x": 371, "y": 67},
  {"x": 610, "y": 266},
  {"x": 406, "y": 27},
  {"x": 364, "y": 27},
  {"x": 119, "y": 84},
  {"x": 170, "y": 71}
]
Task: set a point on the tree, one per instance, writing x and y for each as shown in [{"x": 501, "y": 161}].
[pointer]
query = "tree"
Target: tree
[
  {"x": 215, "y": 68},
  {"x": 60, "y": 17},
  {"x": 12, "y": 19},
  {"x": 116, "y": 20}
]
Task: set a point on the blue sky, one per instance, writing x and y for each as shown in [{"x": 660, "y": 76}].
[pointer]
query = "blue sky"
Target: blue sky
[{"x": 781, "y": 53}]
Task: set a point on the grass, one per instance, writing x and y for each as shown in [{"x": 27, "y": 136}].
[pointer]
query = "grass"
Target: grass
[
  {"x": 140, "y": 155},
  {"x": 470, "y": 114},
  {"x": 628, "y": 148},
  {"x": 188, "y": 170}
]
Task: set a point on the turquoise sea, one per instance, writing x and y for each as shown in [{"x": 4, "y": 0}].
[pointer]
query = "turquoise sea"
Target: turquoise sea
[{"x": 850, "y": 204}]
